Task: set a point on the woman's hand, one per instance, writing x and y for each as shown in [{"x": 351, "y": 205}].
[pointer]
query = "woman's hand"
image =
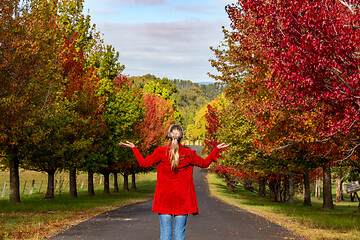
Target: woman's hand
[
  {"x": 127, "y": 144},
  {"x": 223, "y": 145}
]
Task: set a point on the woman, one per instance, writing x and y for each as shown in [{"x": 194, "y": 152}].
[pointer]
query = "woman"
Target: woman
[{"x": 175, "y": 195}]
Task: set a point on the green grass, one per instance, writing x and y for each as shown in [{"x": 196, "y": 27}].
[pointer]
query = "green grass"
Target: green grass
[
  {"x": 309, "y": 221},
  {"x": 36, "y": 218}
]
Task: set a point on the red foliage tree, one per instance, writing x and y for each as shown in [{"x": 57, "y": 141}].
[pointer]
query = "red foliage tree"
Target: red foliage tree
[
  {"x": 80, "y": 97},
  {"x": 212, "y": 126},
  {"x": 158, "y": 118},
  {"x": 312, "y": 51},
  {"x": 313, "y": 47},
  {"x": 294, "y": 66}
]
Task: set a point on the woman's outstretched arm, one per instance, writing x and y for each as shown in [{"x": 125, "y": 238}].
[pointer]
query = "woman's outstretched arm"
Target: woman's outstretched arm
[
  {"x": 127, "y": 144},
  {"x": 204, "y": 163},
  {"x": 143, "y": 162},
  {"x": 223, "y": 145}
]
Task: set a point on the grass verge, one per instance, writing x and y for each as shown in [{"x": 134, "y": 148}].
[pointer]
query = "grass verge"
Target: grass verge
[
  {"x": 36, "y": 218},
  {"x": 311, "y": 222}
]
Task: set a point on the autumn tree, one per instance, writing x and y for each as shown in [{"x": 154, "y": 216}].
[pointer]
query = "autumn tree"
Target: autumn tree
[
  {"x": 151, "y": 132},
  {"x": 167, "y": 90},
  {"x": 29, "y": 73},
  {"x": 70, "y": 125},
  {"x": 211, "y": 128},
  {"x": 124, "y": 109},
  {"x": 159, "y": 116},
  {"x": 85, "y": 106},
  {"x": 196, "y": 131},
  {"x": 325, "y": 66},
  {"x": 45, "y": 146},
  {"x": 76, "y": 24},
  {"x": 313, "y": 67},
  {"x": 81, "y": 65},
  {"x": 248, "y": 73}
]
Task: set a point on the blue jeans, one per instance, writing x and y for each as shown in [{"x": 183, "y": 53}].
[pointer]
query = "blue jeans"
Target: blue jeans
[{"x": 166, "y": 226}]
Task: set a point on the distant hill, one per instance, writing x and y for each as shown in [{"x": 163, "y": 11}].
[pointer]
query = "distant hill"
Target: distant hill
[
  {"x": 188, "y": 96},
  {"x": 205, "y": 83},
  {"x": 210, "y": 90}
]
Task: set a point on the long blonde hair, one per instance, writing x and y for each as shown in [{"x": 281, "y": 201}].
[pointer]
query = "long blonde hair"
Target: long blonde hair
[{"x": 175, "y": 134}]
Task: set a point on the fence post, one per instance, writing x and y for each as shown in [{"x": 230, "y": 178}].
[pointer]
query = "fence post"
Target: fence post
[
  {"x": 40, "y": 186},
  {"x": 24, "y": 188},
  {"x": 32, "y": 187},
  {"x": 4, "y": 190},
  {"x": 101, "y": 179},
  {"x": 82, "y": 184},
  {"x": 61, "y": 183}
]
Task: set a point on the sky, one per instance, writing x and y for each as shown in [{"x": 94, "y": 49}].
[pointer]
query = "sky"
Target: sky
[{"x": 166, "y": 38}]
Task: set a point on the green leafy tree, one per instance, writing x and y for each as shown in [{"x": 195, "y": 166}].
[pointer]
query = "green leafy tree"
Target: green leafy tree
[
  {"x": 211, "y": 91},
  {"x": 141, "y": 81},
  {"x": 109, "y": 63},
  {"x": 189, "y": 101},
  {"x": 76, "y": 24},
  {"x": 165, "y": 89},
  {"x": 124, "y": 109},
  {"x": 46, "y": 145}
]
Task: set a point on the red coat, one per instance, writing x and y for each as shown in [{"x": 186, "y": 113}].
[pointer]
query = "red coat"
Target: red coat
[{"x": 175, "y": 192}]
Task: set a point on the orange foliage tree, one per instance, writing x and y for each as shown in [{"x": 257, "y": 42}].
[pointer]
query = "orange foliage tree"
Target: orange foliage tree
[
  {"x": 158, "y": 118},
  {"x": 30, "y": 43}
]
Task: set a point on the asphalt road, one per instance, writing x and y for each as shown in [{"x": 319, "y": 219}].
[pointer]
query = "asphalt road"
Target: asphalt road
[{"x": 217, "y": 220}]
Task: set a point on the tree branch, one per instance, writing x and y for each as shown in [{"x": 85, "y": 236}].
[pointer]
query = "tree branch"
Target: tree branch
[{"x": 46, "y": 98}]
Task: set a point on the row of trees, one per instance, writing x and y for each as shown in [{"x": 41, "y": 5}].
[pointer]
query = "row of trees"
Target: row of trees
[
  {"x": 64, "y": 104},
  {"x": 291, "y": 109}
]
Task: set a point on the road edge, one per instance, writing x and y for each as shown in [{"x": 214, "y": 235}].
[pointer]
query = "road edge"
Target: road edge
[{"x": 277, "y": 221}]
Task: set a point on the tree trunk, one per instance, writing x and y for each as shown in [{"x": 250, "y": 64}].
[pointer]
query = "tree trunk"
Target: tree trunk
[
  {"x": 262, "y": 187},
  {"x": 230, "y": 183},
  {"x": 106, "y": 182},
  {"x": 358, "y": 208},
  {"x": 72, "y": 182},
  {"x": 116, "y": 183},
  {"x": 339, "y": 188},
  {"x": 291, "y": 188},
  {"x": 247, "y": 183},
  {"x": 307, "y": 192},
  {"x": 126, "y": 182},
  {"x": 352, "y": 197},
  {"x": 275, "y": 193},
  {"x": 317, "y": 189},
  {"x": 50, "y": 192},
  {"x": 91, "y": 191},
  {"x": 278, "y": 191},
  {"x": 327, "y": 195},
  {"x": 285, "y": 189},
  {"x": 133, "y": 181},
  {"x": 14, "y": 179}
]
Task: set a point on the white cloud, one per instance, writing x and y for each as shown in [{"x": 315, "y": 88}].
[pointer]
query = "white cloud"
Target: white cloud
[{"x": 178, "y": 50}]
